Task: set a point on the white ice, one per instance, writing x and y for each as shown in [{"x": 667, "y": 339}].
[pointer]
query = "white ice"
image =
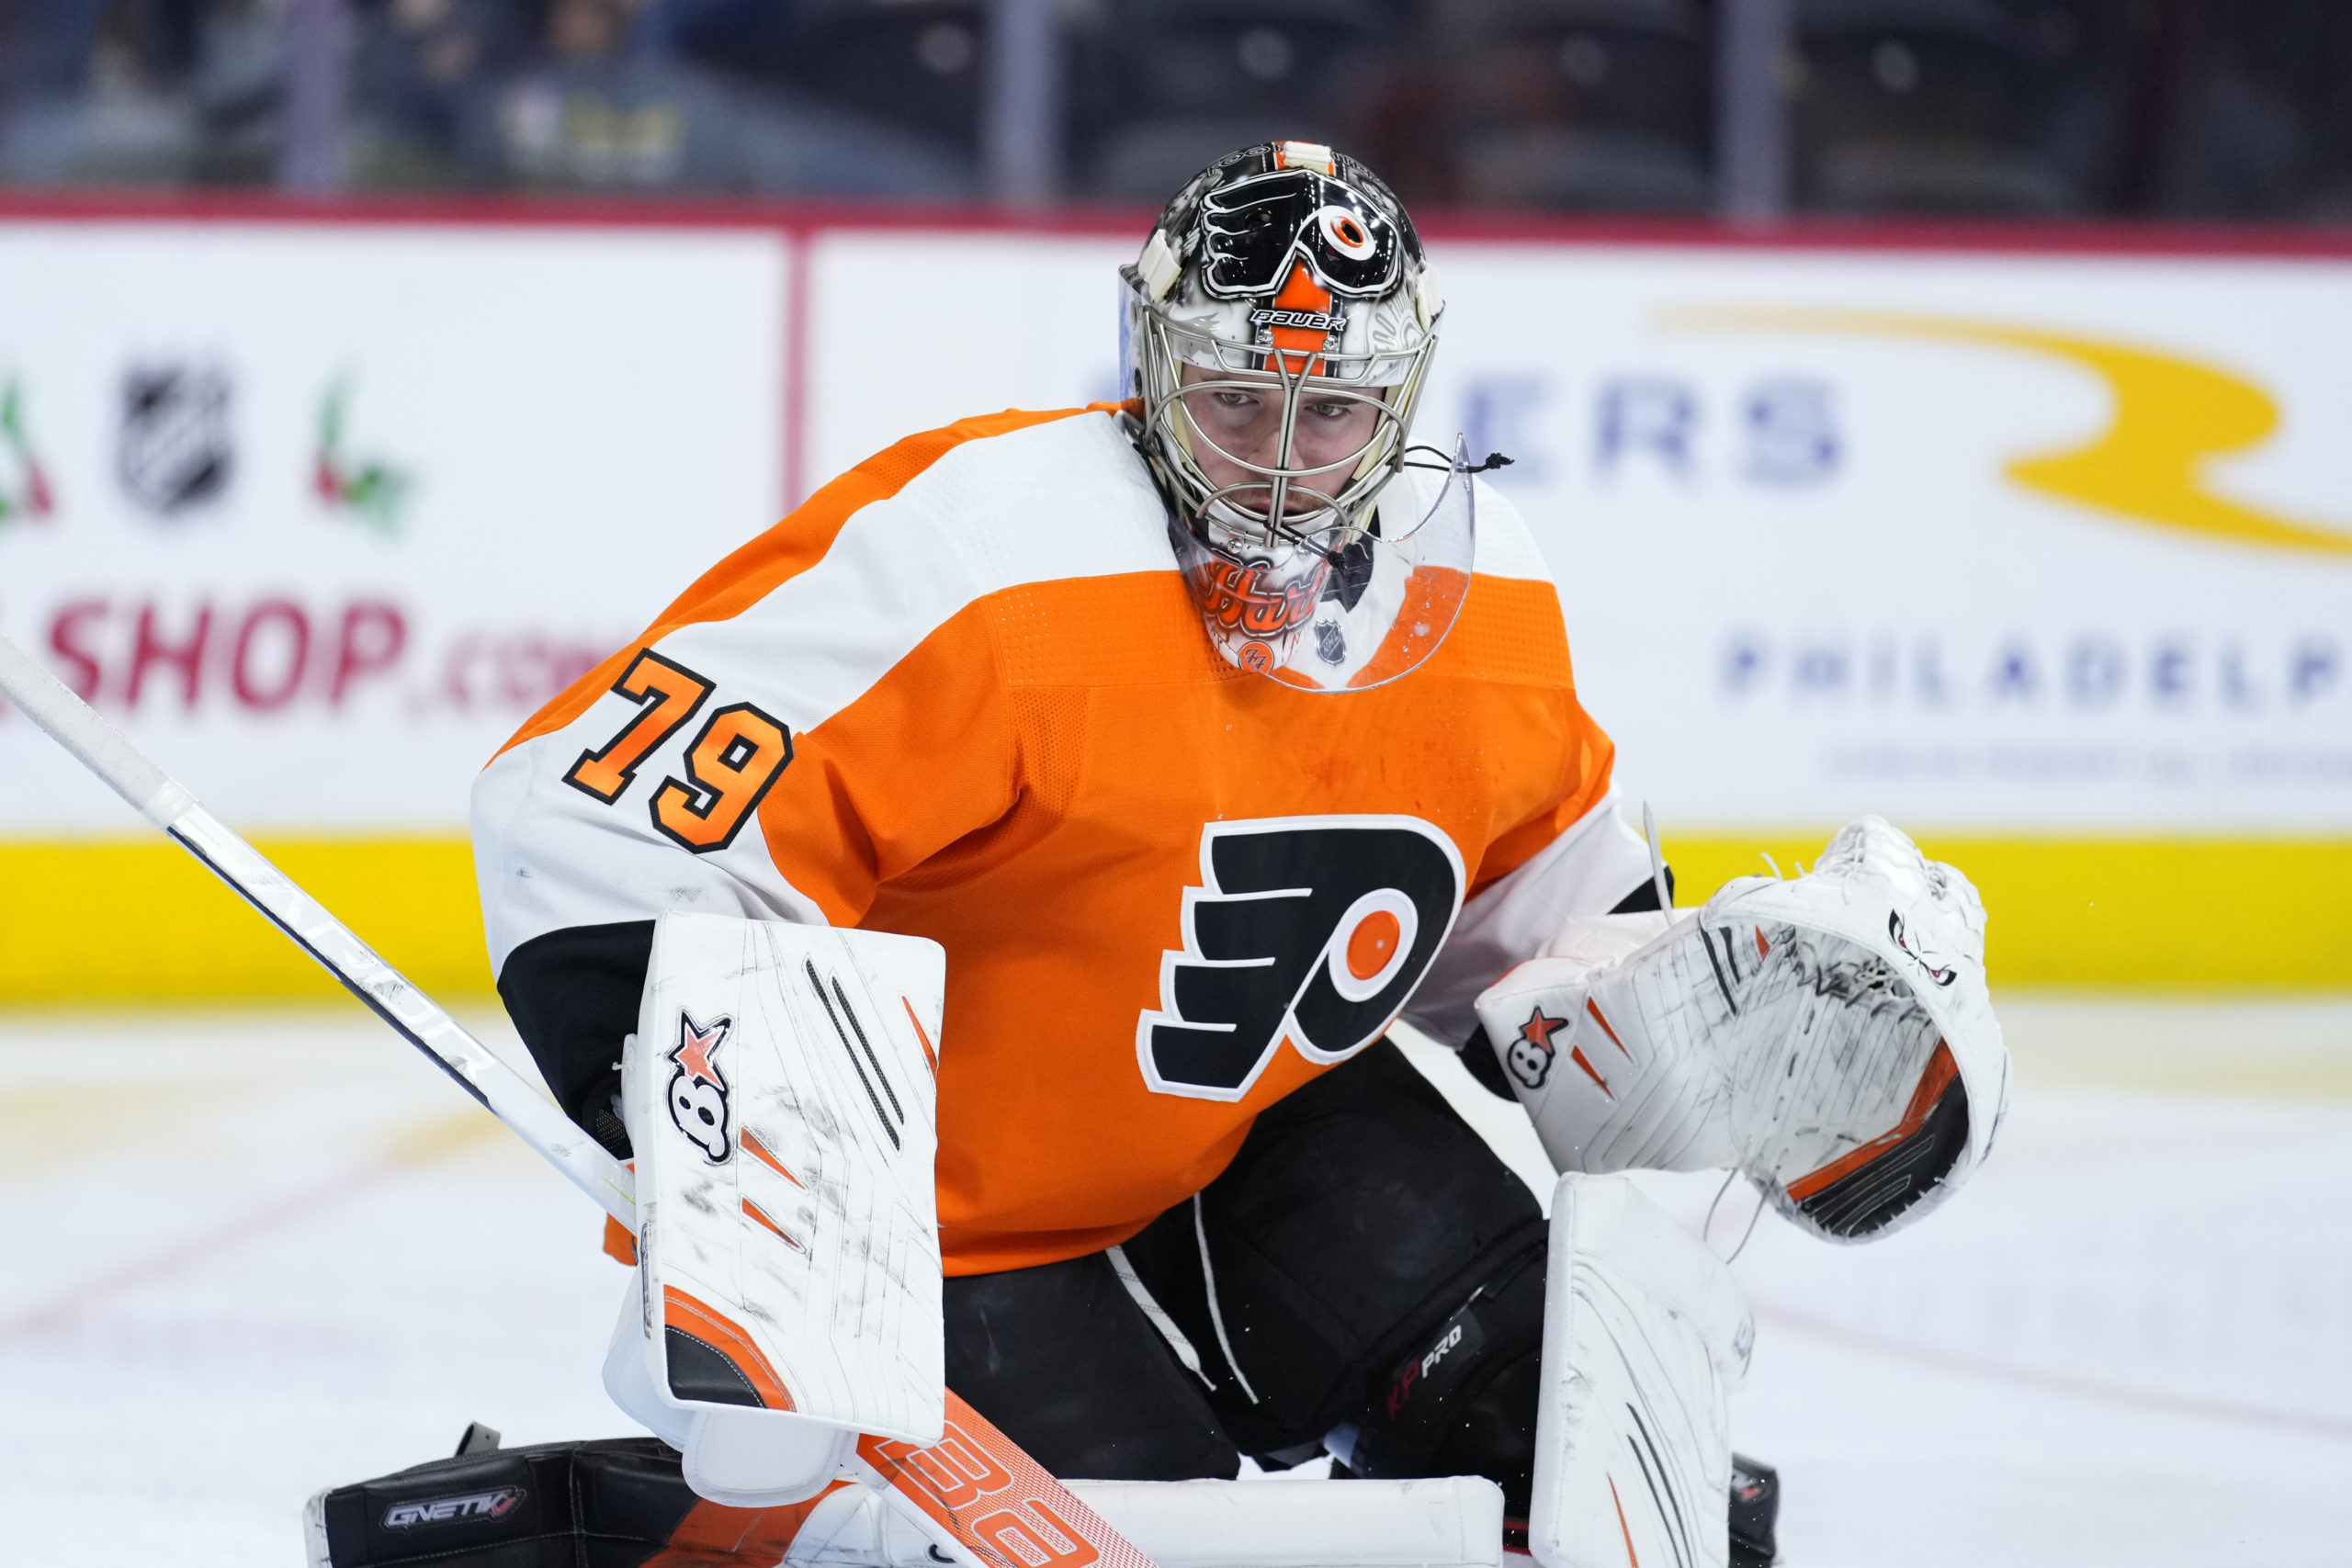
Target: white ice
[{"x": 248, "y": 1256}]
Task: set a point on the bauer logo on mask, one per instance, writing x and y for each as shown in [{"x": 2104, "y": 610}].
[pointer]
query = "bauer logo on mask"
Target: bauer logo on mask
[{"x": 1310, "y": 929}]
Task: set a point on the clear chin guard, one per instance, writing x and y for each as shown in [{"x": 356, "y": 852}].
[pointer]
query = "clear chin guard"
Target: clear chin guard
[{"x": 1371, "y": 614}]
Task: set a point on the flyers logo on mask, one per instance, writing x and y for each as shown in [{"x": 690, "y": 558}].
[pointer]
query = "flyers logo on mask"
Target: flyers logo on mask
[{"x": 1312, "y": 929}]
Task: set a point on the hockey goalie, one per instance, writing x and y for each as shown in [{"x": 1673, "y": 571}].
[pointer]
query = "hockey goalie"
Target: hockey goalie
[{"x": 979, "y": 906}]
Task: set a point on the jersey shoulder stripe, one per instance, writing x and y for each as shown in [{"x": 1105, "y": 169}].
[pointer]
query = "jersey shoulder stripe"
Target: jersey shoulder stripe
[
  {"x": 1506, "y": 546},
  {"x": 790, "y": 548},
  {"x": 1053, "y": 513}
]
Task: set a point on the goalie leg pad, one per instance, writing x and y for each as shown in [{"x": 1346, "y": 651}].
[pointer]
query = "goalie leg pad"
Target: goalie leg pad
[
  {"x": 623, "y": 1504},
  {"x": 779, "y": 1095},
  {"x": 1645, "y": 1337},
  {"x": 619, "y": 1503}
]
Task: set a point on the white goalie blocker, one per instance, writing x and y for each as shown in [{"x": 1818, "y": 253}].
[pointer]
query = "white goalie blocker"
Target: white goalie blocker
[
  {"x": 779, "y": 1094},
  {"x": 1830, "y": 1036}
]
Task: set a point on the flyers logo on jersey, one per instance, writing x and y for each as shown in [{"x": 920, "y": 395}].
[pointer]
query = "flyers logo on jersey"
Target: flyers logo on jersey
[{"x": 1312, "y": 929}]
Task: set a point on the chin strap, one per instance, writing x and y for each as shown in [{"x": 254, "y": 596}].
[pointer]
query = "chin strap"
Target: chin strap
[{"x": 1494, "y": 460}]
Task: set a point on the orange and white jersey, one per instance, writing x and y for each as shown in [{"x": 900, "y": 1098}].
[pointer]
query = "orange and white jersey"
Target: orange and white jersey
[{"x": 964, "y": 694}]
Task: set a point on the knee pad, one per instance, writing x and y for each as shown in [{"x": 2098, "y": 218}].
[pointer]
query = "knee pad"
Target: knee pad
[{"x": 1463, "y": 1401}]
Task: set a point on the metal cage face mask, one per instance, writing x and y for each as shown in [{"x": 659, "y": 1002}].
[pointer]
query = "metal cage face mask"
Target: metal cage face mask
[
  {"x": 1285, "y": 446},
  {"x": 1278, "y": 333}
]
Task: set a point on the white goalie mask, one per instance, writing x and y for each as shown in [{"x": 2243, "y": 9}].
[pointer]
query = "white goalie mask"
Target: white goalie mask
[{"x": 1276, "y": 340}]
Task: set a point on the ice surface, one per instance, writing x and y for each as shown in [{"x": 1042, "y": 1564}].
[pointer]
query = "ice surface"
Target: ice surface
[
  {"x": 2127, "y": 1341},
  {"x": 254, "y": 1255}
]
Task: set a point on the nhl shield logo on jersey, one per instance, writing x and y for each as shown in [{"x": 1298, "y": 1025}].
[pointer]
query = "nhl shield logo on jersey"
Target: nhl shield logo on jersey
[
  {"x": 697, "y": 1091},
  {"x": 1312, "y": 929}
]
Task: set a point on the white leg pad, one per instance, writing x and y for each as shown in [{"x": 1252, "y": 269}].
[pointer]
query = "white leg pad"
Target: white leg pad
[
  {"x": 1447, "y": 1522},
  {"x": 1645, "y": 1334}
]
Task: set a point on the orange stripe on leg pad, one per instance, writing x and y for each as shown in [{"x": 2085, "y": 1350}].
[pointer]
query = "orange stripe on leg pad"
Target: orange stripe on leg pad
[
  {"x": 698, "y": 1320},
  {"x": 1631, "y": 1558}
]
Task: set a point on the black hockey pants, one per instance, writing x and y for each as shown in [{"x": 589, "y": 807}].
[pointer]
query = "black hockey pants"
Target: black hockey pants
[{"x": 1365, "y": 1267}]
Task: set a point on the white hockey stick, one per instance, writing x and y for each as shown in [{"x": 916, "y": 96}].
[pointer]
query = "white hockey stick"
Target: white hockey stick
[
  {"x": 165, "y": 802},
  {"x": 976, "y": 1492}
]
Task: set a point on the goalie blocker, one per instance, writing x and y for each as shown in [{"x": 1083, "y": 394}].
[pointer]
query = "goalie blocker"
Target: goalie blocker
[
  {"x": 1830, "y": 1037},
  {"x": 779, "y": 1094}
]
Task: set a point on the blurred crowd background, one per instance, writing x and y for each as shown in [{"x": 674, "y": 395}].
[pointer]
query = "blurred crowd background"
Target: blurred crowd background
[{"x": 2183, "y": 110}]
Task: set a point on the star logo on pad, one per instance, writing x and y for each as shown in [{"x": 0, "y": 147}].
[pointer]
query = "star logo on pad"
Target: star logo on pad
[
  {"x": 694, "y": 1045},
  {"x": 1538, "y": 1029},
  {"x": 1530, "y": 1056},
  {"x": 697, "y": 1094}
]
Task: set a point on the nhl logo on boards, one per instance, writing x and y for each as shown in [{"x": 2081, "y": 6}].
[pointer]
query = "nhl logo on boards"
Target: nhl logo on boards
[
  {"x": 697, "y": 1091},
  {"x": 174, "y": 450}
]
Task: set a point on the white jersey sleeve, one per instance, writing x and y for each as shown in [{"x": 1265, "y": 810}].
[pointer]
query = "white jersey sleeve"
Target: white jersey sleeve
[{"x": 1588, "y": 869}]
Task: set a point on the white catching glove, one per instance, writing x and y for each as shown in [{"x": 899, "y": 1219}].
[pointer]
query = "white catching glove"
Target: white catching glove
[
  {"x": 1645, "y": 1334},
  {"x": 1831, "y": 1037}
]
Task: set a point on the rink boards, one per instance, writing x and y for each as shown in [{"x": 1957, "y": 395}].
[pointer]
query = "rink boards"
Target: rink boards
[{"x": 2046, "y": 555}]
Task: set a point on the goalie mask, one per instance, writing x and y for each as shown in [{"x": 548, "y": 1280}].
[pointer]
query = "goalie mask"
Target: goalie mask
[{"x": 1277, "y": 337}]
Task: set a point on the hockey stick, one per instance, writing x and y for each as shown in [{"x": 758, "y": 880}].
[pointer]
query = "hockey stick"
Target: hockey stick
[{"x": 974, "y": 1489}]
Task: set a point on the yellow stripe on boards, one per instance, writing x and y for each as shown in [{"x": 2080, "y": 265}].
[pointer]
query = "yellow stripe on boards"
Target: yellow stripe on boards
[
  {"x": 2160, "y": 914},
  {"x": 139, "y": 920}
]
